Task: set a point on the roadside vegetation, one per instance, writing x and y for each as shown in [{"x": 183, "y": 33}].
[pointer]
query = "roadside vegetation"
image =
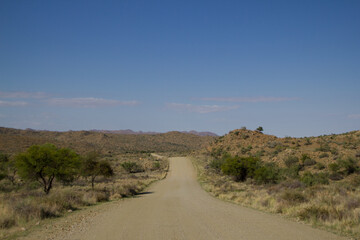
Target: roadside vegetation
[
  {"x": 47, "y": 181},
  {"x": 315, "y": 180}
]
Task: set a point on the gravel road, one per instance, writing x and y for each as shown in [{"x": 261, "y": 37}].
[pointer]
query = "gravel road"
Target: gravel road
[{"x": 177, "y": 208}]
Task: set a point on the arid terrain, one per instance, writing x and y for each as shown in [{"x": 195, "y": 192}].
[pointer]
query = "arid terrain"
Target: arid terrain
[
  {"x": 314, "y": 181},
  {"x": 177, "y": 208}
]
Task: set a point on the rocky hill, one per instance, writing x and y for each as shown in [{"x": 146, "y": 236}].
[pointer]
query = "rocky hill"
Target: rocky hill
[{"x": 323, "y": 149}]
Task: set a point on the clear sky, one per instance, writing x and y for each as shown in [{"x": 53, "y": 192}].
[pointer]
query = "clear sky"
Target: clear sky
[{"x": 292, "y": 67}]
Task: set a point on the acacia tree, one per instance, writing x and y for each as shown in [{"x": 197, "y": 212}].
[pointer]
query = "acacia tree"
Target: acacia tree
[
  {"x": 46, "y": 162},
  {"x": 93, "y": 168}
]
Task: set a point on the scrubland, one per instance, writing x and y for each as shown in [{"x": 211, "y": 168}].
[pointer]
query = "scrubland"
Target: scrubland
[{"x": 313, "y": 180}]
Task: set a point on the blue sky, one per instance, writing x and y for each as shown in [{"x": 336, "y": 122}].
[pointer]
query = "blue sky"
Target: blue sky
[{"x": 292, "y": 67}]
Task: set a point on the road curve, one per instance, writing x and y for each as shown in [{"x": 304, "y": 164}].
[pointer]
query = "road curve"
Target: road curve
[{"x": 177, "y": 208}]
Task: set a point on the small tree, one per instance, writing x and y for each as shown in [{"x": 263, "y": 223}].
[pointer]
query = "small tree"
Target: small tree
[
  {"x": 92, "y": 168},
  {"x": 45, "y": 163},
  {"x": 132, "y": 167},
  {"x": 260, "y": 129}
]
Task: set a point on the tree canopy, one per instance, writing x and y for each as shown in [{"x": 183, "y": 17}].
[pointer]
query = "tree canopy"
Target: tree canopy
[
  {"x": 92, "y": 167},
  {"x": 46, "y": 162}
]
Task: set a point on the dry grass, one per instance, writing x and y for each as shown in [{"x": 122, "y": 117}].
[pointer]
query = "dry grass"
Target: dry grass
[{"x": 335, "y": 207}]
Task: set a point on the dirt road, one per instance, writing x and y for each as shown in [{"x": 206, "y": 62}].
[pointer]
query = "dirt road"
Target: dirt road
[{"x": 177, "y": 208}]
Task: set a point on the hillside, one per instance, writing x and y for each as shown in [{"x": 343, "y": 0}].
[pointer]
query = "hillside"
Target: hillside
[
  {"x": 314, "y": 180},
  {"x": 15, "y": 140},
  {"x": 322, "y": 149}
]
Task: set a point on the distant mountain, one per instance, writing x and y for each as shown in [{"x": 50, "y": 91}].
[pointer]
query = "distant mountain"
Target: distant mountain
[
  {"x": 201, "y": 133},
  {"x": 106, "y": 142},
  {"x": 129, "y": 131}
]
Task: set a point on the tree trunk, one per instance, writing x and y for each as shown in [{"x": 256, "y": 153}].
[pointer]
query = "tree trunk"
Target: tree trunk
[{"x": 92, "y": 182}]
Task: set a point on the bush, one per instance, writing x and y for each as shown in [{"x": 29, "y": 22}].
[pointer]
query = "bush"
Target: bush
[
  {"x": 291, "y": 161},
  {"x": 310, "y": 179},
  {"x": 293, "y": 197},
  {"x": 323, "y": 155},
  {"x": 314, "y": 212},
  {"x": 324, "y": 147},
  {"x": 246, "y": 150},
  {"x": 259, "y": 154},
  {"x": 132, "y": 167},
  {"x": 216, "y": 163},
  {"x": 156, "y": 166},
  {"x": 334, "y": 167},
  {"x": 291, "y": 172},
  {"x": 320, "y": 166},
  {"x": 266, "y": 174},
  {"x": 7, "y": 222},
  {"x": 349, "y": 166},
  {"x": 240, "y": 168},
  {"x": 335, "y": 176},
  {"x": 260, "y": 129},
  {"x": 309, "y": 162}
]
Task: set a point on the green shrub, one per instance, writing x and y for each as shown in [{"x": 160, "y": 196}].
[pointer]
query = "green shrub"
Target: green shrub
[
  {"x": 291, "y": 161},
  {"x": 334, "y": 167},
  {"x": 303, "y": 157},
  {"x": 259, "y": 154},
  {"x": 156, "y": 166},
  {"x": 293, "y": 197},
  {"x": 268, "y": 173},
  {"x": 335, "y": 176},
  {"x": 132, "y": 167},
  {"x": 349, "y": 166},
  {"x": 244, "y": 136},
  {"x": 309, "y": 162},
  {"x": 291, "y": 172},
  {"x": 334, "y": 151},
  {"x": 320, "y": 166},
  {"x": 260, "y": 129},
  {"x": 240, "y": 168},
  {"x": 216, "y": 163},
  {"x": 323, "y": 155},
  {"x": 324, "y": 147},
  {"x": 314, "y": 212},
  {"x": 246, "y": 150},
  {"x": 310, "y": 179},
  {"x": 7, "y": 222}
]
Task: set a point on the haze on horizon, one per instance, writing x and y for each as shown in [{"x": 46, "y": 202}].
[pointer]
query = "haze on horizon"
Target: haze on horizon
[{"x": 292, "y": 67}]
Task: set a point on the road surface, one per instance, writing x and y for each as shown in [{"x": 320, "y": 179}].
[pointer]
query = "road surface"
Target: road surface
[{"x": 177, "y": 208}]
